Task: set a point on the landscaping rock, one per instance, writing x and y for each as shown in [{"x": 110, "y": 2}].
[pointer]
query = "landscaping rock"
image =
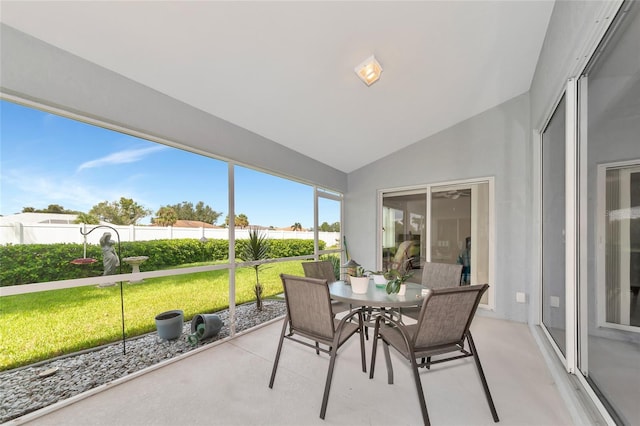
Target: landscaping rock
[{"x": 30, "y": 388}]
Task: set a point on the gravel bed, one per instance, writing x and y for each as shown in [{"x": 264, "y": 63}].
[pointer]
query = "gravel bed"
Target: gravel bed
[{"x": 23, "y": 390}]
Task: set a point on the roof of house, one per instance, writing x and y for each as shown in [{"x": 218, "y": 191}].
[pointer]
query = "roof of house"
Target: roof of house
[{"x": 59, "y": 218}]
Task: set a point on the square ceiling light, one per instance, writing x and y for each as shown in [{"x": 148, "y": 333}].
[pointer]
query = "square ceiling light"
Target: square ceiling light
[{"x": 369, "y": 71}]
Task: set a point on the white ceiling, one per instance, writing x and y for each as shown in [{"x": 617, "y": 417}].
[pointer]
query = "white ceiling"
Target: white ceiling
[{"x": 284, "y": 70}]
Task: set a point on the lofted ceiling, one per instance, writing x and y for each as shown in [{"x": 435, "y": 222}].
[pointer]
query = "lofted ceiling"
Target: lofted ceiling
[{"x": 285, "y": 70}]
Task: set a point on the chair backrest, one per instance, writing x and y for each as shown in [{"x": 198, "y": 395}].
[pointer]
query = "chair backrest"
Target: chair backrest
[
  {"x": 446, "y": 315},
  {"x": 309, "y": 306},
  {"x": 322, "y": 269},
  {"x": 441, "y": 275}
]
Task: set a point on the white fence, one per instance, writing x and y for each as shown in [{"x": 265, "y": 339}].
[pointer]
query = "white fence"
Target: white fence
[{"x": 47, "y": 233}]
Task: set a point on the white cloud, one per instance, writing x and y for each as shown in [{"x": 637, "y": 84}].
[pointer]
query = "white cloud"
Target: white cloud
[
  {"x": 122, "y": 157},
  {"x": 27, "y": 188}
]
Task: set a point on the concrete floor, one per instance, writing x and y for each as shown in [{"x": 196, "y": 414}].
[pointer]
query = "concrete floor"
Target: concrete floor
[{"x": 227, "y": 384}]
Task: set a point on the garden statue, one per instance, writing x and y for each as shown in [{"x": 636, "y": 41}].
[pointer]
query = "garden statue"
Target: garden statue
[{"x": 110, "y": 259}]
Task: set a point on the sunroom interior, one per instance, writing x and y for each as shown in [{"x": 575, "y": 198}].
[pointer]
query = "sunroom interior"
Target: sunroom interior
[{"x": 476, "y": 110}]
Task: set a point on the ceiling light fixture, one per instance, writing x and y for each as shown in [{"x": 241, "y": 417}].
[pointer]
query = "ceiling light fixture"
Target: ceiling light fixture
[{"x": 369, "y": 71}]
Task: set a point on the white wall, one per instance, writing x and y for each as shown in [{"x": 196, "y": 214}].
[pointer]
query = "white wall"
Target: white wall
[
  {"x": 494, "y": 143},
  {"x": 47, "y": 233}
]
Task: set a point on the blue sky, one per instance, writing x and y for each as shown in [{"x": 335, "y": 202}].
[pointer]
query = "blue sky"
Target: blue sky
[{"x": 47, "y": 159}]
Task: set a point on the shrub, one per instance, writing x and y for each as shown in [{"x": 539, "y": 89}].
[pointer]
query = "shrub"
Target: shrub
[{"x": 33, "y": 263}]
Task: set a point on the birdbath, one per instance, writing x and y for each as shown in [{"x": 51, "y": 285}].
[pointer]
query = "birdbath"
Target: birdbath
[{"x": 135, "y": 262}]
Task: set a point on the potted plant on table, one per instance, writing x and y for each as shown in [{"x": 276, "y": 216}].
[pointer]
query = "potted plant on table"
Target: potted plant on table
[
  {"x": 397, "y": 281},
  {"x": 359, "y": 280}
]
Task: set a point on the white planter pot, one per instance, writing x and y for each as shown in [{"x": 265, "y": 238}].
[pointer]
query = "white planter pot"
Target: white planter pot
[
  {"x": 359, "y": 285},
  {"x": 403, "y": 290}
]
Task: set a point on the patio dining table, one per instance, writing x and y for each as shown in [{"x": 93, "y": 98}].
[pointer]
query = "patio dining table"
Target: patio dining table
[
  {"x": 376, "y": 297},
  {"x": 377, "y": 302}
]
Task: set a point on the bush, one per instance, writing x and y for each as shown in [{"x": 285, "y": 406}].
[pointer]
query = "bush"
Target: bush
[{"x": 34, "y": 263}]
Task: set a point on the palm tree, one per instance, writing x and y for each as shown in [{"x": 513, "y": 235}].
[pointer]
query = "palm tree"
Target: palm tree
[
  {"x": 256, "y": 249},
  {"x": 296, "y": 227},
  {"x": 87, "y": 219}
]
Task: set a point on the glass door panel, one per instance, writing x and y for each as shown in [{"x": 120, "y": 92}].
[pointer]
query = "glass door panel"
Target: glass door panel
[
  {"x": 553, "y": 227},
  {"x": 609, "y": 351},
  {"x": 460, "y": 223},
  {"x": 403, "y": 232}
]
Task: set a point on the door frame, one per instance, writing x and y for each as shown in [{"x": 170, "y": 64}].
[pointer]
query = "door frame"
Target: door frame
[{"x": 427, "y": 189}]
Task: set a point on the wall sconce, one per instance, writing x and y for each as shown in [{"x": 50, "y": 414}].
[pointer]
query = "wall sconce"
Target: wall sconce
[{"x": 369, "y": 71}]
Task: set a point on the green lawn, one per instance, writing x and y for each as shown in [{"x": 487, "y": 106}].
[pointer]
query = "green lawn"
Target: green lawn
[{"x": 39, "y": 326}]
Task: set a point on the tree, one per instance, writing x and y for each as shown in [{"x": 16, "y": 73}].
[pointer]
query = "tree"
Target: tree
[
  {"x": 55, "y": 208},
  {"x": 334, "y": 227},
  {"x": 87, "y": 219},
  {"x": 165, "y": 216},
  {"x": 206, "y": 214},
  {"x": 241, "y": 220},
  {"x": 122, "y": 212},
  {"x": 51, "y": 208},
  {"x": 201, "y": 212},
  {"x": 296, "y": 226}
]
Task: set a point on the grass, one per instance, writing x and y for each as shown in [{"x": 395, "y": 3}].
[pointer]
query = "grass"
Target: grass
[{"x": 40, "y": 326}]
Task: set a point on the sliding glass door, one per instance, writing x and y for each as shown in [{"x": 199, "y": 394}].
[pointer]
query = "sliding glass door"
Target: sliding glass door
[
  {"x": 590, "y": 214},
  {"x": 609, "y": 351},
  {"x": 553, "y": 227},
  {"x": 448, "y": 223}
]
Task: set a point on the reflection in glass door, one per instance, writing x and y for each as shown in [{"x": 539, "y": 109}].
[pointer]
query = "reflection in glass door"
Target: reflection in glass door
[
  {"x": 446, "y": 224},
  {"x": 460, "y": 223},
  {"x": 403, "y": 232},
  {"x": 621, "y": 282}
]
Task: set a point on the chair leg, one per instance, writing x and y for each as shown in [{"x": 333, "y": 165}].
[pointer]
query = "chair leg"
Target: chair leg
[
  {"x": 487, "y": 393},
  {"x": 327, "y": 386},
  {"x": 362, "y": 351},
  {"x": 423, "y": 403},
  {"x": 387, "y": 359},
  {"x": 374, "y": 350},
  {"x": 275, "y": 362}
]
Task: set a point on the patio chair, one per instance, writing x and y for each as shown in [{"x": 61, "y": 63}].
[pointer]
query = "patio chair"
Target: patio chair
[
  {"x": 309, "y": 316},
  {"x": 441, "y": 275},
  {"x": 442, "y": 329},
  {"x": 322, "y": 269},
  {"x": 435, "y": 276}
]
